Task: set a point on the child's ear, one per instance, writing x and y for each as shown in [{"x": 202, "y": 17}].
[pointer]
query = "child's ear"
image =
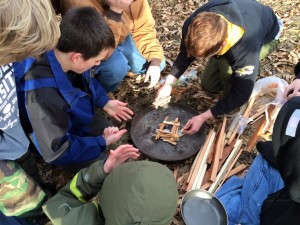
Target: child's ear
[{"x": 76, "y": 57}]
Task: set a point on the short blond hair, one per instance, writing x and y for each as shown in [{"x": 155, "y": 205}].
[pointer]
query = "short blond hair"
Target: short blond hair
[
  {"x": 27, "y": 28},
  {"x": 206, "y": 35}
]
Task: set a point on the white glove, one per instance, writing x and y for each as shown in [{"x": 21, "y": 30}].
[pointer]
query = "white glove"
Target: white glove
[{"x": 154, "y": 73}]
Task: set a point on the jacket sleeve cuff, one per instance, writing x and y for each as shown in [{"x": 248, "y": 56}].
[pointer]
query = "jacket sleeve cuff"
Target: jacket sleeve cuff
[
  {"x": 101, "y": 142},
  {"x": 114, "y": 15},
  {"x": 215, "y": 112},
  {"x": 102, "y": 101}
]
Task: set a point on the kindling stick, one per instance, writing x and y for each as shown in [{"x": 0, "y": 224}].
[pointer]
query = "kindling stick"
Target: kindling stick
[
  {"x": 225, "y": 167},
  {"x": 199, "y": 159}
]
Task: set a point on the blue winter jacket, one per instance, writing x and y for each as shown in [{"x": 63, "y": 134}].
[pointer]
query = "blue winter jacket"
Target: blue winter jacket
[{"x": 58, "y": 113}]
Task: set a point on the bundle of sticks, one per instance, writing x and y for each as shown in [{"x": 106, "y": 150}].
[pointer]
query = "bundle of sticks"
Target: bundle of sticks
[
  {"x": 168, "y": 135},
  {"x": 216, "y": 160},
  {"x": 161, "y": 102},
  {"x": 262, "y": 118}
]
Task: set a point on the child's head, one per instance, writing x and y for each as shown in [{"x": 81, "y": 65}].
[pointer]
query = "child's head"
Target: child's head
[
  {"x": 206, "y": 35},
  {"x": 84, "y": 31},
  {"x": 28, "y": 28}
]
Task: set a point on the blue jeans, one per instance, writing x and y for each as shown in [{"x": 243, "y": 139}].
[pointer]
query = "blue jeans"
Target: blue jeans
[
  {"x": 125, "y": 58},
  {"x": 243, "y": 197}
]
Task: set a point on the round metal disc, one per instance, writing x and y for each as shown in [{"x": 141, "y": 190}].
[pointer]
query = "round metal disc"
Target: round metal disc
[{"x": 143, "y": 132}]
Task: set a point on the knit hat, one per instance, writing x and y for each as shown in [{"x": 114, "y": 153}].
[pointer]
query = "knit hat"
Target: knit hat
[{"x": 139, "y": 192}]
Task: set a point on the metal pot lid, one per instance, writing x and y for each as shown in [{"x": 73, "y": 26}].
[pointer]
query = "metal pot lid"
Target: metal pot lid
[
  {"x": 143, "y": 130},
  {"x": 200, "y": 207}
]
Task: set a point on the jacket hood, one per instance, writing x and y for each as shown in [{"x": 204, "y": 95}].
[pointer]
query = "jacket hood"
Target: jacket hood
[
  {"x": 140, "y": 192},
  {"x": 286, "y": 142}
]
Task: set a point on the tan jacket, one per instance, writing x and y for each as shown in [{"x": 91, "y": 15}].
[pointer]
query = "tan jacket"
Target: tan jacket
[{"x": 136, "y": 20}]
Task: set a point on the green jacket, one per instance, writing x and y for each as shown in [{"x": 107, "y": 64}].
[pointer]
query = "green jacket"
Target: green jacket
[{"x": 140, "y": 192}]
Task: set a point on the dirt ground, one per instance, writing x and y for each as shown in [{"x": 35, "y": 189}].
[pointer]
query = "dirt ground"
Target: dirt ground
[{"x": 169, "y": 16}]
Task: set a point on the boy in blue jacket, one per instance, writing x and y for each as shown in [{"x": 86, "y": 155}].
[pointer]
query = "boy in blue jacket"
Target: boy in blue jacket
[{"x": 61, "y": 97}]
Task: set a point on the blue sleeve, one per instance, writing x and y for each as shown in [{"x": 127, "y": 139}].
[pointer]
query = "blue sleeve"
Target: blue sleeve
[
  {"x": 81, "y": 149},
  {"x": 51, "y": 122},
  {"x": 101, "y": 96}
]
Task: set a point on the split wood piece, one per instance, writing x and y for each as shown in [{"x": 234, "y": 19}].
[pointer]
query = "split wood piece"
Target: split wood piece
[
  {"x": 212, "y": 153},
  {"x": 245, "y": 115},
  {"x": 175, "y": 172},
  {"x": 221, "y": 140},
  {"x": 163, "y": 131},
  {"x": 184, "y": 185},
  {"x": 237, "y": 170},
  {"x": 199, "y": 180},
  {"x": 258, "y": 132},
  {"x": 182, "y": 178},
  {"x": 171, "y": 123},
  {"x": 227, "y": 151},
  {"x": 233, "y": 123},
  {"x": 171, "y": 142},
  {"x": 249, "y": 107},
  {"x": 193, "y": 166},
  {"x": 199, "y": 159},
  {"x": 162, "y": 101},
  {"x": 206, "y": 185},
  {"x": 196, "y": 162},
  {"x": 258, "y": 113},
  {"x": 215, "y": 157},
  {"x": 219, "y": 151},
  {"x": 272, "y": 118},
  {"x": 161, "y": 127},
  {"x": 174, "y": 130},
  {"x": 202, "y": 162},
  {"x": 225, "y": 167},
  {"x": 257, "y": 119},
  {"x": 230, "y": 168}
]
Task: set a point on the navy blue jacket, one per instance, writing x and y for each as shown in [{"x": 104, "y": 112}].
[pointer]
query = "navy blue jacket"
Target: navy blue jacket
[
  {"x": 59, "y": 114},
  {"x": 260, "y": 25}
]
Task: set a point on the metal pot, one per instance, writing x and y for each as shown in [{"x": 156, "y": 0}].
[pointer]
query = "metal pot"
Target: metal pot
[{"x": 200, "y": 207}]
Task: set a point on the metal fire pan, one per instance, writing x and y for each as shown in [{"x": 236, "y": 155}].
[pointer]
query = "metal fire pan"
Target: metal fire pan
[{"x": 145, "y": 123}]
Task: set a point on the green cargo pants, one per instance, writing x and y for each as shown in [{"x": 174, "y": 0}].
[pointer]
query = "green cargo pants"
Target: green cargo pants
[
  {"x": 19, "y": 193},
  {"x": 217, "y": 73}
]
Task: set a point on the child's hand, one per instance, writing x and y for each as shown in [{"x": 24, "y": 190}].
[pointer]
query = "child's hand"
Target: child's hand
[
  {"x": 293, "y": 89},
  {"x": 112, "y": 134},
  {"x": 119, "y": 156},
  {"x": 118, "y": 110}
]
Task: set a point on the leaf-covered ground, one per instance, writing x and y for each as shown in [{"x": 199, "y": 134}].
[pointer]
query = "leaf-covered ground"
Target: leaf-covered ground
[{"x": 169, "y": 16}]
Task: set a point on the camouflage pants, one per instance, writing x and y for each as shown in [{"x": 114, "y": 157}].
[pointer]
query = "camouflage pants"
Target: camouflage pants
[{"x": 19, "y": 193}]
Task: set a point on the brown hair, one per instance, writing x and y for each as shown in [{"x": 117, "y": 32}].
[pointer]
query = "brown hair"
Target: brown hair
[
  {"x": 205, "y": 35},
  {"x": 27, "y": 28}
]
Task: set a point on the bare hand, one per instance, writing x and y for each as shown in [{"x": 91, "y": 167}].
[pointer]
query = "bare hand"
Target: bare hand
[
  {"x": 293, "y": 89},
  {"x": 153, "y": 72},
  {"x": 112, "y": 134},
  {"x": 194, "y": 124},
  {"x": 118, "y": 110},
  {"x": 118, "y": 5},
  {"x": 119, "y": 156}
]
